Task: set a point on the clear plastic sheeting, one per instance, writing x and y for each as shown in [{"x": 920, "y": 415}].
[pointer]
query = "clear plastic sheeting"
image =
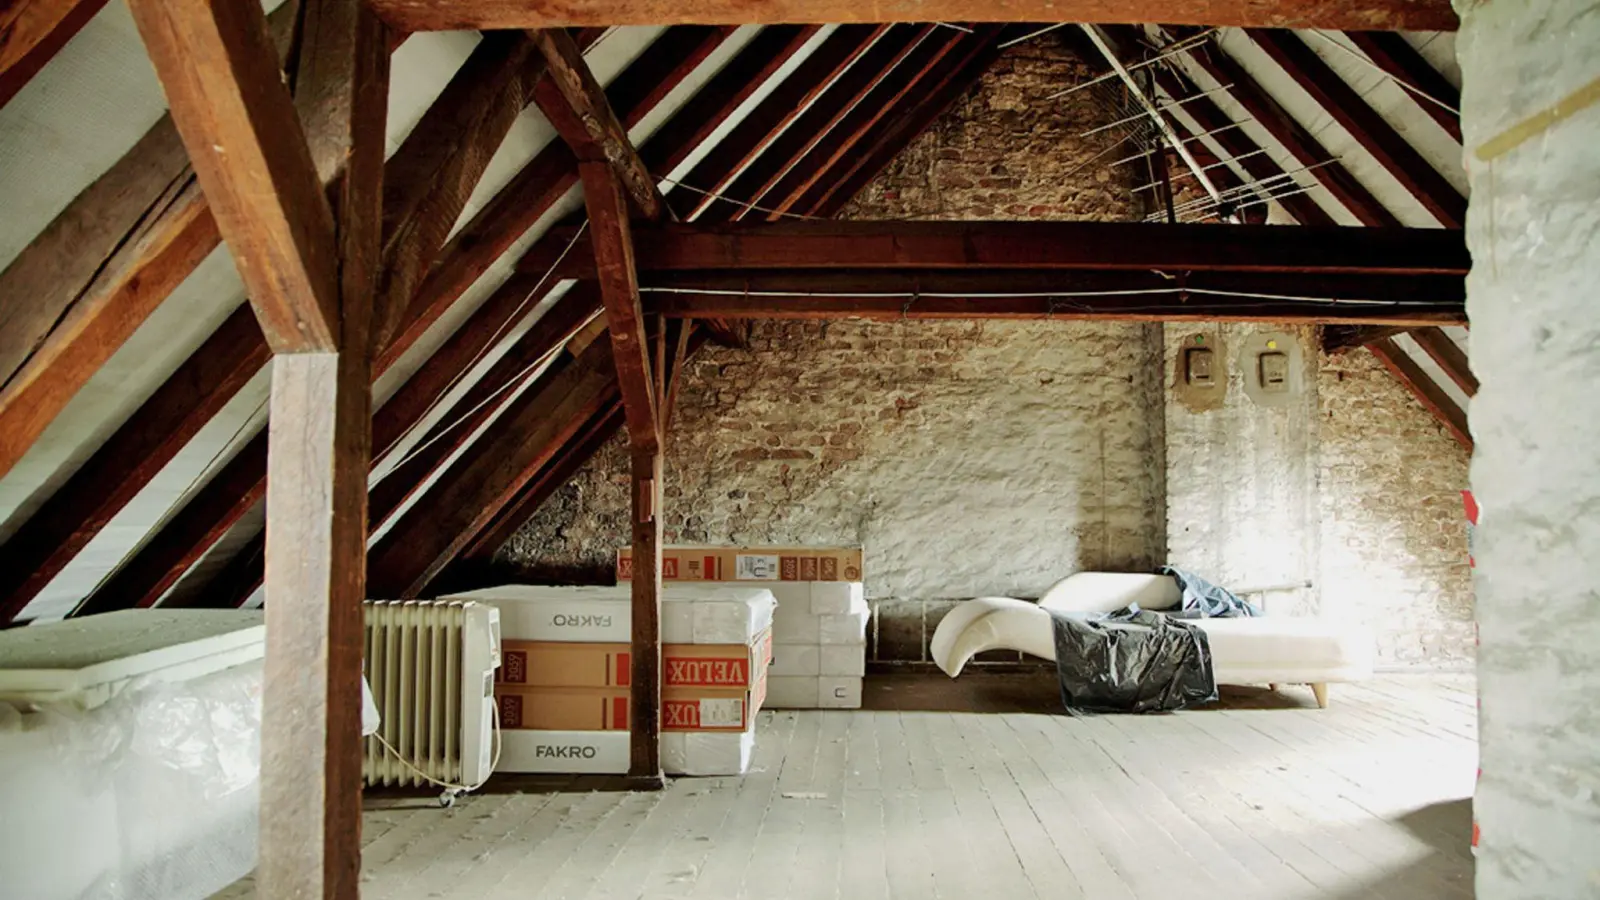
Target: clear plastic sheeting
[{"x": 154, "y": 794}]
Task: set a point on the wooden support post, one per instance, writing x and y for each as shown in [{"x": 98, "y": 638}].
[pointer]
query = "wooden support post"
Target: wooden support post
[
  {"x": 645, "y": 758},
  {"x": 261, "y": 159}
]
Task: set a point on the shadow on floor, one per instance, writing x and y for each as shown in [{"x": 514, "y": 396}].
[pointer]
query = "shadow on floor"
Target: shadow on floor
[
  {"x": 1446, "y": 871},
  {"x": 1030, "y": 690}
]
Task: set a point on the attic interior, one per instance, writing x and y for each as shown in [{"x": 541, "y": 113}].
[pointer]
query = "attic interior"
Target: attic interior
[{"x": 958, "y": 449}]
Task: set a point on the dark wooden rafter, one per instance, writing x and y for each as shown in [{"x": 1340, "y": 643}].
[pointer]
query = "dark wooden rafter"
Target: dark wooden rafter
[
  {"x": 431, "y": 176},
  {"x": 430, "y": 15},
  {"x": 1427, "y": 392},
  {"x": 903, "y": 76},
  {"x": 239, "y": 580},
  {"x": 784, "y": 151},
  {"x": 1287, "y": 131},
  {"x": 1449, "y": 356},
  {"x": 1340, "y": 338},
  {"x": 466, "y": 498},
  {"x": 756, "y": 131},
  {"x": 32, "y": 32},
  {"x": 152, "y": 570},
  {"x": 1395, "y": 55},
  {"x": 854, "y": 245},
  {"x": 86, "y": 283},
  {"x": 1356, "y": 116},
  {"x": 611, "y": 236},
  {"x": 572, "y": 99},
  {"x": 895, "y": 132}
]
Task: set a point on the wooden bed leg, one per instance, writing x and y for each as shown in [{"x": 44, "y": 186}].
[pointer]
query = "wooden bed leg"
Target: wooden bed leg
[
  {"x": 1320, "y": 688},
  {"x": 1273, "y": 686}
]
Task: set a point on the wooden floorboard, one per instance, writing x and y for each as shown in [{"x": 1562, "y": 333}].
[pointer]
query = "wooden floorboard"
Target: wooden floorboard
[{"x": 1260, "y": 796}]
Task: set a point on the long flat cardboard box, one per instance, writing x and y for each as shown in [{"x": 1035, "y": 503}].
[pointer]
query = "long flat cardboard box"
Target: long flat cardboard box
[
  {"x": 575, "y": 752},
  {"x": 525, "y": 707},
  {"x": 563, "y": 664},
  {"x": 690, "y": 563},
  {"x": 690, "y": 613}
]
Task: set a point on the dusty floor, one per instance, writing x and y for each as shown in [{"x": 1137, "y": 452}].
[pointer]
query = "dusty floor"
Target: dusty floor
[{"x": 1264, "y": 796}]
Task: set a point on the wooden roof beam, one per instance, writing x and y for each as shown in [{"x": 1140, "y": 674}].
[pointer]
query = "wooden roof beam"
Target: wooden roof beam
[
  {"x": 611, "y": 236},
  {"x": 572, "y": 99},
  {"x": 856, "y": 245},
  {"x": 1371, "y": 130},
  {"x": 1449, "y": 356},
  {"x": 1427, "y": 392},
  {"x": 32, "y": 32},
  {"x": 431, "y": 15},
  {"x": 250, "y": 155}
]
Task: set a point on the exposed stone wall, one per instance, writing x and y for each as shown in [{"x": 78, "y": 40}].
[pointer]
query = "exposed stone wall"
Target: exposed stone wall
[{"x": 1393, "y": 528}]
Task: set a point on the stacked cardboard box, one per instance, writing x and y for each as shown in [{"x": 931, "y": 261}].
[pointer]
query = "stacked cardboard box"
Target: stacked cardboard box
[
  {"x": 819, "y": 631},
  {"x": 563, "y": 687}
]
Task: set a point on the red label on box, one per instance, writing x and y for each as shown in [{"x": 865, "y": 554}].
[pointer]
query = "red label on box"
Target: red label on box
[
  {"x": 624, "y": 568},
  {"x": 708, "y": 672},
  {"x": 510, "y": 711},
  {"x": 669, "y": 567},
  {"x": 514, "y": 666},
  {"x": 789, "y": 568},
  {"x": 808, "y": 568},
  {"x": 829, "y": 569}
]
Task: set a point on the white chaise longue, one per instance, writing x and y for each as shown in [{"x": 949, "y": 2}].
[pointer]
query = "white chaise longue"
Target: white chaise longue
[{"x": 1244, "y": 651}]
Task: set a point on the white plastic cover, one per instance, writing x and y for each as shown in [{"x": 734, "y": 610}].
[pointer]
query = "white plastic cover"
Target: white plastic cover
[{"x": 154, "y": 794}]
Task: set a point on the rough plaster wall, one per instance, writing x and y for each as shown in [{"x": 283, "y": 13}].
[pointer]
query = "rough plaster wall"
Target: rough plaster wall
[
  {"x": 1534, "y": 232},
  {"x": 968, "y": 458},
  {"x": 1242, "y": 479},
  {"x": 1393, "y": 528}
]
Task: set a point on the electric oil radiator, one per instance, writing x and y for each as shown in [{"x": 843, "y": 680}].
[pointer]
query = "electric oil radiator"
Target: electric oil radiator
[{"x": 430, "y": 664}]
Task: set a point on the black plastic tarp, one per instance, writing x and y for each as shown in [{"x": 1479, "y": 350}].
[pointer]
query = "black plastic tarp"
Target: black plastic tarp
[{"x": 1131, "y": 661}]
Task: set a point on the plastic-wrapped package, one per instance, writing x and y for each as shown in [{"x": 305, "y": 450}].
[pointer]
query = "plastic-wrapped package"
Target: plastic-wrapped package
[{"x": 154, "y": 794}]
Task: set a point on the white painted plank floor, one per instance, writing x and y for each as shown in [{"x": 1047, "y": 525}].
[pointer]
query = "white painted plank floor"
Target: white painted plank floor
[{"x": 1264, "y": 796}]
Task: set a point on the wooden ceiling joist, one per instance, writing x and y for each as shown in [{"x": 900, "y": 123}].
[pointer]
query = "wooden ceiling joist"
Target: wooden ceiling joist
[
  {"x": 1287, "y": 131},
  {"x": 860, "y": 245},
  {"x": 1450, "y": 357},
  {"x": 1340, "y": 338},
  {"x": 1427, "y": 392},
  {"x": 32, "y": 32},
  {"x": 1384, "y": 15},
  {"x": 1371, "y": 130}
]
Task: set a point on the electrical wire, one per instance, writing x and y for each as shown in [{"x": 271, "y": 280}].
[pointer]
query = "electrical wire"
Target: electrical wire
[
  {"x": 494, "y": 763},
  {"x": 1361, "y": 57},
  {"x": 1026, "y": 295},
  {"x": 1167, "y": 52}
]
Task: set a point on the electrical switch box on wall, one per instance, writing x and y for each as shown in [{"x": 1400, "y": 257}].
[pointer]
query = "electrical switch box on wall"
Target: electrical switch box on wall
[
  {"x": 1200, "y": 376},
  {"x": 1271, "y": 364}
]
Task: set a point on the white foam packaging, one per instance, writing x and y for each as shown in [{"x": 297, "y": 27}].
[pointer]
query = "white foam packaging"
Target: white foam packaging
[
  {"x": 838, "y": 660},
  {"x": 794, "y": 623},
  {"x": 838, "y": 693},
  {"x": 690, "y": 613},
  {"x": 792, "y": 692},
  {"x": 843, "y": 628},
  {"x": 707, "y": 753},
  {"x": 565, "y": 752},
  {"x": 833, "y": 597},
  {"x": 795, "y": 659}
]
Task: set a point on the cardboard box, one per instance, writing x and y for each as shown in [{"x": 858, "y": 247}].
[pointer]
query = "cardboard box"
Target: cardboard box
[
  {"x": 699, "y": 753},
  {"x": 524, "y": 708},
  {"x": 793, "y": 692},
  {"x": 841, "y": 660},
  {"x": 795, "y": 659},
  {"x": 690, "y": 614},
  {"x": 684, "y": 563},
  {"x": 561, "y": 664},
  {"x": 576, "y": 752},
  {"x": 846, "y": 628},
  {"x": 834, "y": 597}
]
